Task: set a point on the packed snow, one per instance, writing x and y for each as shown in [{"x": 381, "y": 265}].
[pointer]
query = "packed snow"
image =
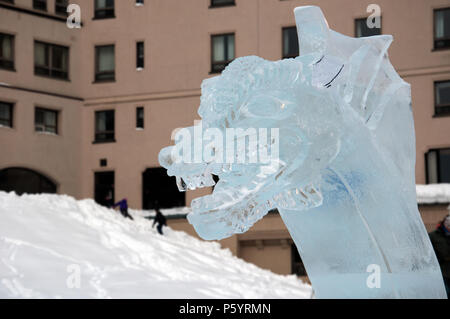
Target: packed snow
[
  {"x": 52, "y": 246},
  {"x": 433, "y": 194}
]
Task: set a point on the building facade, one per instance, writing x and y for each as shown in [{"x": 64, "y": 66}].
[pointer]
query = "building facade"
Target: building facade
[{"x": 85, "y": 111}]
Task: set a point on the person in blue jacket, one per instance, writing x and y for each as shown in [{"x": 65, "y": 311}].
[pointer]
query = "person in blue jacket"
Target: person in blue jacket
[{"x": 123, "y": 206}]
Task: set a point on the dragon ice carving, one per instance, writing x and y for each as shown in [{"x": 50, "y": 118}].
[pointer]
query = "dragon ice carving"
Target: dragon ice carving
[{"x": 343, "y": 181}]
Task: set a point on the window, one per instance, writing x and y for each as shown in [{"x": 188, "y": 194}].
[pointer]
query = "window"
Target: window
[
  {"x": 222, "y": 51},
  {"x": 46, "y": 120},
  {"x": 363, "y": 30},
  {"x": 9, "y": 1},
  {"x": 140, "y": 117},
  {"x": 139, "y": 2},
  {"x": 51, "y": 60},
  {"x": 6, "y": 51},
  {"x": 6, "y": 114},
  {"x": 221, "y": 3},
  {"x": 442, "y": 28},
  {"x": 40, "y": 5},
  {"x": 140, "y": 55},
  {"x": 442, "y": 98},
  {"x": 61, "y": 7},
  {"x": 104, "y": 126},
  {"x": 437, "y": 164},
  {"x": 290, "y": 42},
  {"x": 104, "y": 9},
  {"x": 104, "y": 63}
]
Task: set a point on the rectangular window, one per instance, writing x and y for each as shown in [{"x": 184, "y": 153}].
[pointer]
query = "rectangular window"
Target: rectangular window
[
  {"x": 222, "y": 51},
  {"x": 51, "y": 60},
  {"x": 290, "y": 43},
  {"x": 140, "y": 55},
  {"x": 363, "y": 30},
  {"x": 104, "y": 126},
  {"x": 140, "y": 117},
  {"x": 442, "y": 28},
  {"x": 442, "y": 98},
  {"x": 222, "y": 3},
  {"x": 46, "y": 120},
  {"x": 61, "y": 7},
  {"x": 438, "y": 166},
  {"x": 104, "y": 9},
  {"x": 6, "y": 114},
  {"x": 6, "y": 51},
  {"x": 105, "y": 63},
  {"x": 40, "y": 5},
  {"x": 139, "y": 2}
]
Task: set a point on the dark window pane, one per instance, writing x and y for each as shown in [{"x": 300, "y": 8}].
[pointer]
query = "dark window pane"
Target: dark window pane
[
  {"x": 442, "y": 91},
  {"x": 61, "y": 6},
  {"x": 40, "y": 5},
  {"x": 46, "y": 120},
  {"x": 363, "y": 30},
  {"x": 140, "y": 117},
  {"x": 6, "y": 110},
  {"x": 290, "y": 42},
  {"x": 51, "y": 60},
  {"x": 140, "y": 54},
  {"x": 442, "y": 28},
  {"x": 158, "y": 187},
  {"x": 6, "y": 51},
  {"x": 104, "y": 9},
  {"x": 444, "y": 166},
  {"x": 104, "y": 126},
  {"x": 220, "y": 3},
  {"x": 222, "y": 51},
  {"x": 105, "y": 63}
]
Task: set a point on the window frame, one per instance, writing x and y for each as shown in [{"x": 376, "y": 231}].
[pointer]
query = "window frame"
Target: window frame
[
  {"x": 282, "y": 42},
  {"x": 49, "y": 67},
  {"x": 3, "y": 61},
  {"x": 365, "y": 18},
  {"x": 140, "y": 60},
  {"x": 112, "y": 139},
  {"x": 45, "y": 109},
  {"x": 110, "y": 12},
  {"x": 11, "y": 112},
  {"x": 58, "y": 7},
  {"x": 438, "y": 166},
  {"x": 444, "y": 109},
  {"x": 40, "y": 5},
  {"x": 225, "y": 62},
  {"x": 140, "y": 125},
  {"x": 97, "y": 73},
  {"x": 447, "y": 47},
  {"x": 231, "y": 3}
]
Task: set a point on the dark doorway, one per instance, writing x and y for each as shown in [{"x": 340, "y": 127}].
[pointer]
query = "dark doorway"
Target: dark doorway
[
  {"x": 25, "y": 181},
  {"x": 158, "y": 186},
  {"x": 104, "y": 188},
  {"x": 297, "y": 265}
]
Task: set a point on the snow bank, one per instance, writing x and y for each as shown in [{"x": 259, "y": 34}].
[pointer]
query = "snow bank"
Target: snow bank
[
  {"x": 433, "y": 194},
  {"x": 52, "y": 246}
]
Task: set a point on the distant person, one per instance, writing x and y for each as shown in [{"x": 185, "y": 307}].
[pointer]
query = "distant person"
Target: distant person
[
  {"x": 123, "y": 205},
  {"x": 440, "y": 239},
  {"x": 159, "y": 219}
]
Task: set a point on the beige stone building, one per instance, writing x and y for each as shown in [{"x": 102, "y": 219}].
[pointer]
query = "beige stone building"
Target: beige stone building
[{"x": 85, "y": 111}]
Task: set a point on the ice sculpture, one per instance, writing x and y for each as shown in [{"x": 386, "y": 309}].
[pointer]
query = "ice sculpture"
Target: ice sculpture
[{"x": 343, "y": 180}]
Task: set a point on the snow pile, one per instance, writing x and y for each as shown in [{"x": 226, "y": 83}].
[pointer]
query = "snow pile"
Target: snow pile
[
  {"x": 52, "y": 246},
  {"x": 433, "y": 194}
]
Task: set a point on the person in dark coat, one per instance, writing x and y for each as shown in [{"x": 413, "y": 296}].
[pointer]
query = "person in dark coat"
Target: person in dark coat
[
  {"x": 440, "y": 239},
  {"x": 123, "y": 206},
  {"x": 159, "y": 219}
]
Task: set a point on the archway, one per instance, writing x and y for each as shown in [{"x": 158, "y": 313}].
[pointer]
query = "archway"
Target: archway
[{"x": 24, "y": 180}]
